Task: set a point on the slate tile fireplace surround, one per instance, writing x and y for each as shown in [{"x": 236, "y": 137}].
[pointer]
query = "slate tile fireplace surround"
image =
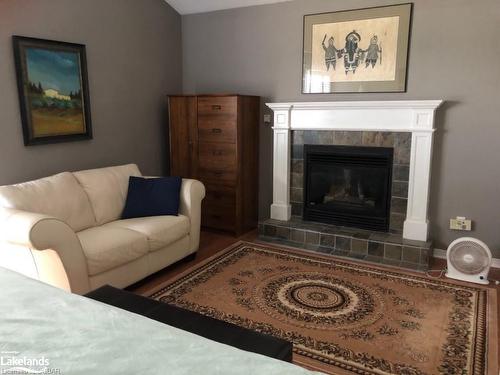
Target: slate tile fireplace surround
[
  {"x": 363, "y": 169},
  {"x": 378, "y": 246}
]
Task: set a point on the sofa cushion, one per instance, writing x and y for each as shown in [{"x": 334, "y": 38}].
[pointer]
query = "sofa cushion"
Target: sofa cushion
[
  {"x": 160, "y": 231},
  {"x": 107, "y": 190},
  {"x": 152, "y": 197},
  {"x": 60, "y": 196},
  {"x": 107, "y": 247}
]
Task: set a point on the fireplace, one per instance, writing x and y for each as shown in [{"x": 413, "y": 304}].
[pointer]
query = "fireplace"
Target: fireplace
[{"x": 348, "y": 185}]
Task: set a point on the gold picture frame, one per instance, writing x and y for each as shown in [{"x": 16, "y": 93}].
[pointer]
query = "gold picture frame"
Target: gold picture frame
[{"x": 354, "y": 51}]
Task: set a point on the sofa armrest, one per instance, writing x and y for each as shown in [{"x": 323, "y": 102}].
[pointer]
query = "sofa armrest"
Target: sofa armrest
[
  {"x": 192, "y": 193},
  {"x": 42, "y": 232}
]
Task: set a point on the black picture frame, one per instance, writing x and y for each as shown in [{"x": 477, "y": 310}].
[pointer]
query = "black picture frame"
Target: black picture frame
[{"x": 64, "y": 117}]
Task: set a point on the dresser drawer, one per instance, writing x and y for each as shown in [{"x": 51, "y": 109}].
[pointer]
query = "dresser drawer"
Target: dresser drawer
[
  {"x": 217, "y": 129},
  {"x": 217, "y": 156},
  {"x": 218, "y": 217},
  {"x": 218, "y": 177},
  {"x": 217, "y": 119},
  {"x": 217, "y": 163},
  {"x": 222, "y": 105},
  {"x": 220, "y": 195}
]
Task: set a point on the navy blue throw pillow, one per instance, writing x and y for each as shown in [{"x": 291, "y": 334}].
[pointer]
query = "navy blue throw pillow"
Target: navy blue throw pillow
[{"x": 152, "y": 197}]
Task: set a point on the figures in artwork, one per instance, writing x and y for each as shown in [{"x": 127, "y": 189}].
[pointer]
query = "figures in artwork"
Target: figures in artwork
[
  {"x": 330, "y": 53},
  {"x": 372, "y": 53},
  {"x": 353, "y": 55}
]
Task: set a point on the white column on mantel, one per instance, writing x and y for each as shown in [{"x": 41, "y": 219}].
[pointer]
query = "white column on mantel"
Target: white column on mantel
[
  {"x": 416, "y": 225},
  {"x": 281, "y": 208},
  {"x": 415, "y": 116}
]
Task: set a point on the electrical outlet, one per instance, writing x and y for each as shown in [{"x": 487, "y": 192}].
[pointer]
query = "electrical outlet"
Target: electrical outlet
[{"x": 461, "y": 223}]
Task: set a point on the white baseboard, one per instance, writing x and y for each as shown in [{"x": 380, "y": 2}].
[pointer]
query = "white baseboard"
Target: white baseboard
[{"x": 440, "y": 253}]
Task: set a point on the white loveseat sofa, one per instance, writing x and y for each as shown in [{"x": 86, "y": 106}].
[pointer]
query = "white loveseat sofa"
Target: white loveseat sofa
[{"x": 71, "y": 222}]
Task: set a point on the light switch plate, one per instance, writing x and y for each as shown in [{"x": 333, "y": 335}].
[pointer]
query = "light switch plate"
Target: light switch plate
[
  {"x": 267, "y": 119},
  {"x": 461, "y": 223}
]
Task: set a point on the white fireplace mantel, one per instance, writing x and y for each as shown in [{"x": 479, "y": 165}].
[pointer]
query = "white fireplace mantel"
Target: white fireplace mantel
[{"x": 415, "y": 116}]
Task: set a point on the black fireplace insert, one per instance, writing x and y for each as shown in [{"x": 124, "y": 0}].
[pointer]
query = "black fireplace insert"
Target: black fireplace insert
[{"x": 348, "y": 186}]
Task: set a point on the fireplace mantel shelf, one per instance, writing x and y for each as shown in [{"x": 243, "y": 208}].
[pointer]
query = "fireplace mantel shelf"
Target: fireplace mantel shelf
[
  {"x": 415, "y": 116},
  {"x": 379, "y": 104},
  {"x": 397, "y": 116}
]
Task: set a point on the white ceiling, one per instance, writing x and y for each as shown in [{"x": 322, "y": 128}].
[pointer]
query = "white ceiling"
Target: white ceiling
[{"x": 201, "y": 6}]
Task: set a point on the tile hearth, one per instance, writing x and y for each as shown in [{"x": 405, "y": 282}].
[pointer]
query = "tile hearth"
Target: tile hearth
[{"x": 377, "y": 247}]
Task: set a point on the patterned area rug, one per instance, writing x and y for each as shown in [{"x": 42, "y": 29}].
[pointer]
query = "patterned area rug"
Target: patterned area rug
[{"x": 344, "y": 317}]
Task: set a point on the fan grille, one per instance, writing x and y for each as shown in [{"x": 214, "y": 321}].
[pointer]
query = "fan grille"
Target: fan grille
[{"x": 469, "y": 257}]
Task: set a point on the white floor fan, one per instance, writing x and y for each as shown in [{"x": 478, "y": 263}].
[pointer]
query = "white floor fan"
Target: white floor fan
[{"x": 469, "y": 259}]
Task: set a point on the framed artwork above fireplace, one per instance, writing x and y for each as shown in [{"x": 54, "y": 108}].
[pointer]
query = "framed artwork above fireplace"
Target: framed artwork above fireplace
[{"x": 363, "y": 50}]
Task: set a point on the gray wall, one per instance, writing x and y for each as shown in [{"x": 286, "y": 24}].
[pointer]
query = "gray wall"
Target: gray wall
[
  {"x": 134, "y": 59},
  {"x": 454, "y": 55}
]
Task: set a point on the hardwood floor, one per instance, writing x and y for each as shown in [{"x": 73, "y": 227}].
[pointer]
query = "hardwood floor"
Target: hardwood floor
[{"x": 211, "y": 243}]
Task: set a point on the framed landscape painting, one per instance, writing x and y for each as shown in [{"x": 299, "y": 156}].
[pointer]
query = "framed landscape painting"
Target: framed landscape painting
[
  {"x": 362, "y": 50},
  {"x": 53, "y": 90}
]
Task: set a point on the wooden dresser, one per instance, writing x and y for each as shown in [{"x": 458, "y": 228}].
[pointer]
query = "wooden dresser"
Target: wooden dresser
[{"x": 215, "y": 139}]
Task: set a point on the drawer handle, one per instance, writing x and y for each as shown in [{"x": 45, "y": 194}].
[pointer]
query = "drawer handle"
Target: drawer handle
[
  {"x": 216, "y": 130},
  {"x": 218, "y": 173},
  {"x": 217, "y": 217},
  {"x": 216, "y": 108},
  {"x": 216, "y": 152}
]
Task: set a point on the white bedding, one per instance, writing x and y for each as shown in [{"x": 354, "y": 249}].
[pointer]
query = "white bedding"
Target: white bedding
[{"x": 76, "y": 335}]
